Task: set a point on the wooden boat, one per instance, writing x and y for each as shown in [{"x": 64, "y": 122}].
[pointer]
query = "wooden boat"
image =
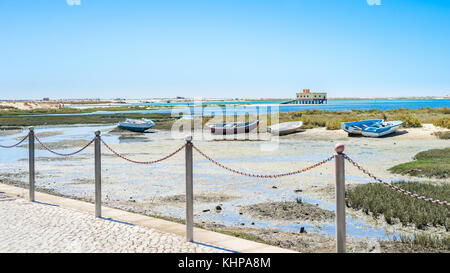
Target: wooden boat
[
  {"x": 382, "y": 129},
  {"x": 285, "y": 128},
  {"x": 357, "y": 126},
  {"x": 136, "y": 125},
  {"x": 228, "y": 128},
  {"x": 371, "y": 128}
]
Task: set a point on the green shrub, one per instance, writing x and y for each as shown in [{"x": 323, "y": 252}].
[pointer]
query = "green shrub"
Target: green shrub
[
  {"x": 418, "y": 243},
  {"x": 441, "y": 154},
  {"x": 410, "y": 122},
  {"x": 442, "y": 122},
  {"x": 333, "y": 124},
  {"x": 442, "y": 135},
  {"x": 431, "y": 163}
]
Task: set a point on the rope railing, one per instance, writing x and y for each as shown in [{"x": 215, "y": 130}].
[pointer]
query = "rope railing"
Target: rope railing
[
  {"x": 248, "y": 174},
  {"x": 262, "y": 175},
  {"x": 63, "y": 154},
  {"x": 17, "y": 144},
  {"x": 143, "y": 162},
  {"x": 400, "y": 190}
]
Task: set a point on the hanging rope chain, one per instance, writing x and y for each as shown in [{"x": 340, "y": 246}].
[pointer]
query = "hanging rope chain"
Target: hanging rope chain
[
  {"x": 143, "y": 162},
  {"x": 263, "y": 175},
  {"x": 17, "y": 144},
  {"x": 62, "y": 154},
  {"x": 414, "y": 195},
  {"x": 398, "y": 189}
]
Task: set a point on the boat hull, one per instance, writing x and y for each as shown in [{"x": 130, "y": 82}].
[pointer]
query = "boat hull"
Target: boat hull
[
  {"x": 389, "y": 130},
  {"x": 285, "y": 128},
  {"x": 235, "y": 130},
  {"x": 136, "y": 127},
  {"x": 357, "y": 127}
]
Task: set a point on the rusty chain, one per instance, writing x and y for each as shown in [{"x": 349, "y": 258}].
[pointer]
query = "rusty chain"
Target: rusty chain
[
  {"x": 17, "y": 144},
  {"x": 61, "y": 154},
  {"x": 263, "y": 175},
  {"x": 143, "y": 162},
  {"x": 414, "y": 195}
]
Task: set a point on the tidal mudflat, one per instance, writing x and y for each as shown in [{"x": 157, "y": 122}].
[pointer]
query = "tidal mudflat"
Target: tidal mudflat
[{"x": 223, "y": 200}]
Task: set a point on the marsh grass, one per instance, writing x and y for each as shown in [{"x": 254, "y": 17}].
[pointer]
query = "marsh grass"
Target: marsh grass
[
  {"x": 310, "y": 118},
  {"x": 83, "y": 119},
  {"x": 383, "y": 202},
  {"x": 442, "y": 134},
  {"x": 431, "y": 163},
  {"x": 410, "y": 121},
  {"x": 332, "y": 119},
  {"x": 419, "y": 242},
  {"x": 442, "y": 122}
]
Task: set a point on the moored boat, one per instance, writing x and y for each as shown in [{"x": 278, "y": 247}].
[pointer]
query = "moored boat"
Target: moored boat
[
  {"x": 382, "y": 129},
  {"x": 233, "y": 127},
  {"x": 136, "y": 125},
  {"x": 356, "y": 127},
  {"x": 285, "y": 127},
  {"x": 371, "y": 128}
]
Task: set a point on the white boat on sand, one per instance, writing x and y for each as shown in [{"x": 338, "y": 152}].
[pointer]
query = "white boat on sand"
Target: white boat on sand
[
  {"x": 285, "y": 127},
  {"x": 136, "y": 125},
  {"x": 371, "y": 128},
  {"x": 232, "y": 127}
]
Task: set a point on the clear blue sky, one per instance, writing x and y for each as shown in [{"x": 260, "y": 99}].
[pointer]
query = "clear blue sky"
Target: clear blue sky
[{"x": 223, "y": 48}]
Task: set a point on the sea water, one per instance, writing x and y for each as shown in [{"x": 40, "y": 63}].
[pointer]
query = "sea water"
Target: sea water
[{"x": 255, "y": 107}]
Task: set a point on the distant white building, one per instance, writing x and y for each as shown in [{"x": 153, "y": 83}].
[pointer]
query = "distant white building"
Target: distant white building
[{"x": 307, "y": 97}]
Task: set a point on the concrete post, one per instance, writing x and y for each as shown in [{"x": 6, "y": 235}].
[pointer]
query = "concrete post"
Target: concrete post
[
  {"x": 31, "y": 162},
  {"x": 98, "y": 176},
  {"x": 340, "y": 199},
  {"x": 189, "y": 192}
]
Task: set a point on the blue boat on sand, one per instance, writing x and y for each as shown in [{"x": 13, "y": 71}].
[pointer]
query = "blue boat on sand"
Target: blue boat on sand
[
  {"x": 371, "y": 128},
  {"x": 136, "y": 125}
]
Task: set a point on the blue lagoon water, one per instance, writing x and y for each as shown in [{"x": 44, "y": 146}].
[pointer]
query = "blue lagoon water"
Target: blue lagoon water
[{"x": 255, "y": 107}]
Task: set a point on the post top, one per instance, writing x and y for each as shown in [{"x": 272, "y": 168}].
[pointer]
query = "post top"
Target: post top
[
  {"x": 97, "y": 133},
  {"x": 188, "y": 138},
  {"x": 31, "y": 128},
  {"x": 339, "y": 148}
]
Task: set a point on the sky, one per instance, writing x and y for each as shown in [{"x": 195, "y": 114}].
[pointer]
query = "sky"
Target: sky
[{"x": 223, "y": 48}]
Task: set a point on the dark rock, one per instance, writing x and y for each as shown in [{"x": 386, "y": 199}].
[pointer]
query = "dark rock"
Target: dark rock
[
  {"x": 287, "y": 211},
  {"x": 218, "y": 208}
]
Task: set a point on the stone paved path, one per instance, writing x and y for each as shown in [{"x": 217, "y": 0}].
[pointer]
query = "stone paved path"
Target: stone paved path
[{"x": 35, "y": 227}]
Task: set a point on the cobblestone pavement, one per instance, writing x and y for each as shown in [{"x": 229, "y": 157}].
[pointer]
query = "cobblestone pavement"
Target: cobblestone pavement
[{"x": 35, "y": 227}]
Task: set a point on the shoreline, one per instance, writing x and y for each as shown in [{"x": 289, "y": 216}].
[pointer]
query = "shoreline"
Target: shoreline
[
  {"x": 164, "y": 119},
  {"x": 32, "y": 105}
]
